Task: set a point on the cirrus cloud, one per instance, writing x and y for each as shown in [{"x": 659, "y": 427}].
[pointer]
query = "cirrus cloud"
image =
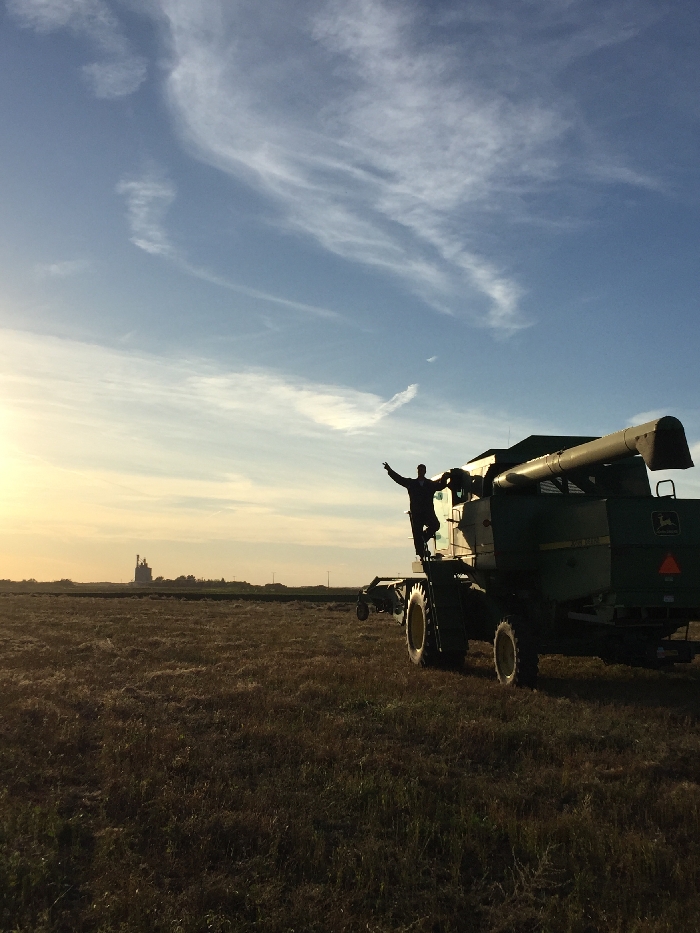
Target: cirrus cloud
[
  {"x": 119, "y": 72},
  {"x": 148, "y": 198},
  {"x": 61, "y": 269},
  {"x": 390, "y": 136},
  {"x": 406, "y": 137}
]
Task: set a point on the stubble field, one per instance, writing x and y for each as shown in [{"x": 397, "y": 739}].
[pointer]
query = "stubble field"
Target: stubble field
[{"x": 233, "y": 766}]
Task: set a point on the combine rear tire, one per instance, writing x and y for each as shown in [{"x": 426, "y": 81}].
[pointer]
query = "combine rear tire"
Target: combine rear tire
[
  {"x": 362, "y": 611},
  {"x": 515, "y": 653},
  {"x": 420, "y": 632}
]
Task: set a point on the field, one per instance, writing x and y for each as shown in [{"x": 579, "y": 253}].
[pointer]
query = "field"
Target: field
[{"x": 236, "y": 766}]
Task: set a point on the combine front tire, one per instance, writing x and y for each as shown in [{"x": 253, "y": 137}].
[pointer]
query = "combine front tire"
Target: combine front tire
[
  {"x": 420, "y": 632},
  {"x": 515, "y": 653}
]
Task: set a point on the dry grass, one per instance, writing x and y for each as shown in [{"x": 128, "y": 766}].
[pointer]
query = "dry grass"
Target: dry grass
[{"x": 174, "y": 766}]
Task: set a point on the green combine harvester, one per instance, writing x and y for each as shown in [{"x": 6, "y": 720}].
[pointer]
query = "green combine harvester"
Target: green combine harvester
[{"x": 557, "y": 546}]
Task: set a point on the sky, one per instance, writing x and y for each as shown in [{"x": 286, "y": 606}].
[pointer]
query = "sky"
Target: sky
[{"x": 251, "y": 250}]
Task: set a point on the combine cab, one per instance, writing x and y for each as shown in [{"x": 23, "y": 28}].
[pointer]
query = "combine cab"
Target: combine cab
[{"x": 557, "y": 545}]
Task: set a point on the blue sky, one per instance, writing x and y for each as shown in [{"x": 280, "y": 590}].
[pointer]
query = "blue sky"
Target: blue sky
[{"x": 251, "y": 250}]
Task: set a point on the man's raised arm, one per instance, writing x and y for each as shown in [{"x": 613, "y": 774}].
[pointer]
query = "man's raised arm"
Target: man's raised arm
[{"x": 397, "y": 478}]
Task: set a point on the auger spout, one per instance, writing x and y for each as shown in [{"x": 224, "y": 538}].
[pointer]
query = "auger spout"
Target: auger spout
[{"x": 662, "y": 444}]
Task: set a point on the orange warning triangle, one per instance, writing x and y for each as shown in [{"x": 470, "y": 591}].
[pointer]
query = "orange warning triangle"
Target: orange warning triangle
[{"x": 669, "y": 565}]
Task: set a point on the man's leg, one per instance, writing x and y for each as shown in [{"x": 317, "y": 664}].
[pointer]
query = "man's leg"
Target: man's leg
[
  {"x": 417, "y": 523},
  {"x": 432, "y": 525},
  {"x": 417, "y": 529}
]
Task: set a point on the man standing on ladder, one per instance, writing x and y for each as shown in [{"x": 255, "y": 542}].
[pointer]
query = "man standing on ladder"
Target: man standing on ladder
[{"x": 424, "y": 521}]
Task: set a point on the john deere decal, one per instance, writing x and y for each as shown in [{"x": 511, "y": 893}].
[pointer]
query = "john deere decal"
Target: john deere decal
[{"x": 666, "y": 523}]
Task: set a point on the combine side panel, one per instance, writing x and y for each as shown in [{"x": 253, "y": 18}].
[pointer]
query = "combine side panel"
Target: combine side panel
[
  {"x": 574, "y": 549},
  {"x": 655, "y": 552},
  {"x": 503, "y": 532},
  {"x": 514, "y": 532},
  {"x": 620, "y": 546}
]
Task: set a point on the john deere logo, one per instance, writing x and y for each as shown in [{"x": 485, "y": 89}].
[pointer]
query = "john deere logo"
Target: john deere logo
[{"x": 666, "y": 523}]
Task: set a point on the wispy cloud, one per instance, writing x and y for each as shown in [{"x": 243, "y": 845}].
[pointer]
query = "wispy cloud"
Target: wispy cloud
[
  {"x": 192, "y": 417},
  {"x": 148, "y": 198},
  {"x": 116, "y": 77},
  {"x": 119, "y": 71},
  {"x": 380, "y": 168},
  {"x": 341, "y": 409},
  {"x": 103, "y": 443},
  {"x": 208, "y": 276},
  {"x": 287, "y": 406},
  {"x": 62, "y": 269},
  {"x": 404, "y": 137},
  {"x": 643, "y": 416},
  {"x": 386, "y": 136}
]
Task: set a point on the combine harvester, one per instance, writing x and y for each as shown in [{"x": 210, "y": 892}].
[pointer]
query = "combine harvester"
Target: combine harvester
[{"x": 557, "y": 546}]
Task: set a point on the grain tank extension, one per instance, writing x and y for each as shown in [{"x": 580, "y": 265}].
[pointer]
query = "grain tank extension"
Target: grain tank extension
[{"x": 557, "y": 545}]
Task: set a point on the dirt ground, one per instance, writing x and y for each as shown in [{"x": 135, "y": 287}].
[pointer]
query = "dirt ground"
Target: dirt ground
[{"x": 231, "y": 766}]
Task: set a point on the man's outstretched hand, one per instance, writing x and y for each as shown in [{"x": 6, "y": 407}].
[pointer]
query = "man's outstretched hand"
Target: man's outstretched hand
[{"x": 386, "y": 466}]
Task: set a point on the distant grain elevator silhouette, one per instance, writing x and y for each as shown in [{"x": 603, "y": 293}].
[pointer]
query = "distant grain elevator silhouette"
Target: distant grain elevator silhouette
[{"x": 143, "y": 573}]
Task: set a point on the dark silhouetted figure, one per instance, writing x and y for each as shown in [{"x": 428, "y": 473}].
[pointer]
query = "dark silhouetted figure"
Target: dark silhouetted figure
[{"x": 424, "y": 521}]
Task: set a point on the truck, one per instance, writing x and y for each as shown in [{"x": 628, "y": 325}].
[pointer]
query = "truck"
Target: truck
[{"x": 557, "y": 545}]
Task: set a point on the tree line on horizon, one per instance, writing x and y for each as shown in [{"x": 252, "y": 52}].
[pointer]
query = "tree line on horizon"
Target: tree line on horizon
[{"x": 184, "y": 580}]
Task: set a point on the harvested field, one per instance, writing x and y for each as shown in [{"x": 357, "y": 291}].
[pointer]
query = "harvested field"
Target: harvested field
[{"x": 208, "y": 766}]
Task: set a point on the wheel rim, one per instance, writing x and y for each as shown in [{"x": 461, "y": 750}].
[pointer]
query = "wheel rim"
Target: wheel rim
[
  {"x": 505, "y": 656},
  {"x": 416, "y": 627}
]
